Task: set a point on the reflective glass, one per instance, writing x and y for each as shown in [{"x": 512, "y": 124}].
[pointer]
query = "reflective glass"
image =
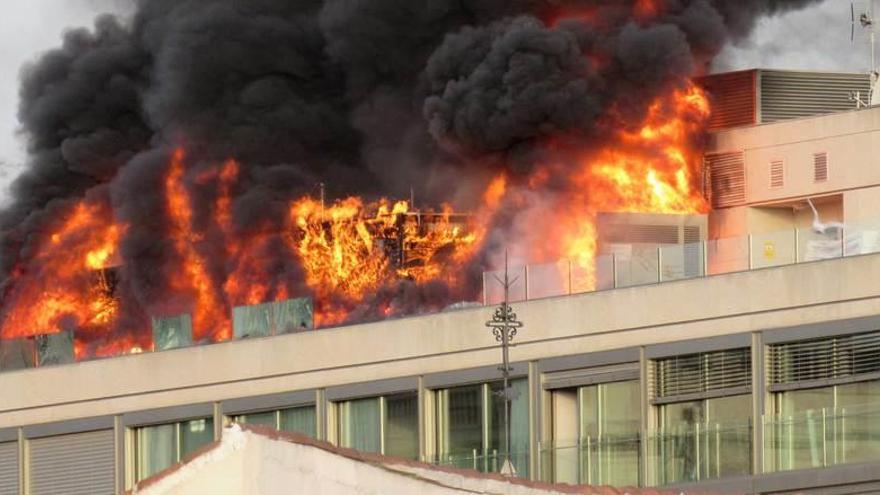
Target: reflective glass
[
  {"x": 703, "y": 439},
  {"x": 519, "y": 427},
  {"x": 267, "y": 418},
  {"x": 402, "y": 426},
  {"x": 359, "y": 424},
  {"x": 856, "y": 427},
  {"x": 460, "y": 426},
  {"x": 195, "y": 434},
  {"x": 824, "y": 427},
  {"x": 299, "y": 419},
  {"x": 156, "y": 449}
]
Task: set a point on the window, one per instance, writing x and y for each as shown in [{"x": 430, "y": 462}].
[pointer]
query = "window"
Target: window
[
  {"x": 294, "y": 419},
  {"x": 820, "y": 167},
  {"x": 777, "y": 174},
  {"x": 826, "y": 402},
  {"x": 387, "y": 424},
  {"x": 157, "y": 447},
  {"x": 602, "y": 446},
  {"x": 703, "y": 405},
  {"x": 470, "y": 426}
]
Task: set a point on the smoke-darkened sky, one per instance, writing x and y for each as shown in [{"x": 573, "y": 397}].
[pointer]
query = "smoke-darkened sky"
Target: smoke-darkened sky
[{"x": 814, "y": 38}]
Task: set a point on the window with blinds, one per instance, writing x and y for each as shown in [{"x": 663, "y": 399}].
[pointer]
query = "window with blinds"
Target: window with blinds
[
  {"x": 820, "y": 167},
  {"x": 9, "y": 468},
  {"x": 777, "y": 174},
  {"x": 716, "y": 373},
  {"x": 825, "y": 361},
  {"x": 726, "y": 179}
]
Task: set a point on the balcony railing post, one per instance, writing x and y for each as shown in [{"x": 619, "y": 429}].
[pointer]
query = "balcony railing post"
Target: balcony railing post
[
  {"x": 751, "y": 261},
  {"x": 614, "y": 269},
  {"x": 824, "y": 438},
  {"x": 485, "y": 300},
  {"x": 705, "y": 244},
  {"x": 697, "y": 460},
  {"x": 526, "y": 277},
  {"x": 659, "y": 264},
  {"x": 797, "y": 245}
]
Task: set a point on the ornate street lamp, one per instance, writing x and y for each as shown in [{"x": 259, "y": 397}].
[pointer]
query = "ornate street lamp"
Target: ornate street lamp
[{"x": 504, "y": 326}]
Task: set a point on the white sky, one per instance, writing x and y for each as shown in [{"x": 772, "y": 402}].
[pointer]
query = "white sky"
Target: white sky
[{"x": 815, "y": 38}]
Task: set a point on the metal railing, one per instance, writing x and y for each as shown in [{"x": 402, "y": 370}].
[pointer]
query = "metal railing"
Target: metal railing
[
  {"x": 645, "y": 264},
  {"x": 602, "y": 460},
  {"x": 698, "y": 451},
  {"x": 486, "y": 461},
  {"x": 821, "y": 438}
]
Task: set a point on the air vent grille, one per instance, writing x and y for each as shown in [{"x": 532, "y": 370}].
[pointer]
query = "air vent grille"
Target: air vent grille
[
  {"x": 777, "y": 174},
  {"x": 820, "y": 167}
]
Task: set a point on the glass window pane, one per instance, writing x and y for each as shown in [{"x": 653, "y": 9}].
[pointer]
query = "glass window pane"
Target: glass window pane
[
  {"x": 156, "y": 449},
  {"x": 615, "y": 453},
  {"x": 299, "y": 419},
  {"x": 519, "y": 427},
  {"x": 267, "y": 418},
  {"x": 195, "y": 434},
  {"x": 728, "y": 442},
  {"x": 402, "y": 425},
  {"x": 856, "y": 423},
  {"x": 359, "y": 424},
  {"x": 460, "y": 426},
  {"x": 679, "y": 443},
  {"x": 800, "y": 434}
]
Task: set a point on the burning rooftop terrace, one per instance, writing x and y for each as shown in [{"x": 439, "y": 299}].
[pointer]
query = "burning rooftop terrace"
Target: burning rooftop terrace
[
  {"x": 357, "y": 260},
  {"x": 170, "y": 160}
]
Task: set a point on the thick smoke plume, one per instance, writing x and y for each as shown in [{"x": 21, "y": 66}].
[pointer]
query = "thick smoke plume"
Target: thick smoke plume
[{"x": 369, "y": 97}]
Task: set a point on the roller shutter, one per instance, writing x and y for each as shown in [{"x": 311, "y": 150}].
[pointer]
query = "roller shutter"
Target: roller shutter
[
  {"x": 9, "y": 468},
  {"x": 74, "y": 464},
  {"x": 824, "y": 361}
]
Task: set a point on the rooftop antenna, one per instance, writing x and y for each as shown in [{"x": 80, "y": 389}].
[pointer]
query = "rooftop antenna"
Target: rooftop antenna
[{"x": 865, "y": 20}]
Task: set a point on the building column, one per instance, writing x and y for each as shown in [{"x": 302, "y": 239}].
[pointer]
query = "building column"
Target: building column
[
  {"x": 534, "y": 420},
  {"x": 759, "y": 401},
  {"x": 646, "y": 415},
  {"x": 218, "y": 421},
  {"x": 119, "y": 453},
  {"x": 422, "y": 413},
  {"x": 23, "y": 474},
  {"x": 321, "y": 414}
]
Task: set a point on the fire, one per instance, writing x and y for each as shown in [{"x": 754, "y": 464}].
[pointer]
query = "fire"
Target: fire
[
  {"x": 653, "y": 167},
  {"x": 66, "y": 285},
  {"x": 350, "y": 249},
  {"x": 352, "y": 256}
]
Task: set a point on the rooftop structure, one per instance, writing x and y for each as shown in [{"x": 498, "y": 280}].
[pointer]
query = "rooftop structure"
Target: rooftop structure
[{"x": 734, "y": 352}]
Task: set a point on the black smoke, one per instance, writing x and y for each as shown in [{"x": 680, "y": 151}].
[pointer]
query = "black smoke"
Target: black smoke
[{"x": 367, "y": 96}]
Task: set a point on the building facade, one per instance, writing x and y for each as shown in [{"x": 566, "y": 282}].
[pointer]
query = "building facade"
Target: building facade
[{"x": 745, "y": 359}]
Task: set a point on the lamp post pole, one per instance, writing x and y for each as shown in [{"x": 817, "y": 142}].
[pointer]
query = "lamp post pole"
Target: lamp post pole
[{"x": 504, "y": 326}]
